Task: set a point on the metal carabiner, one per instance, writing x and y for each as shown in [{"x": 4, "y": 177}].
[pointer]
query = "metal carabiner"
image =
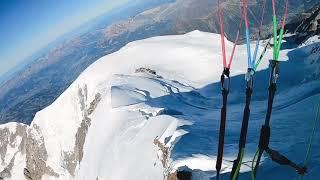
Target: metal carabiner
[
  {"x": 225, "y": 80},
  {"x": 249, "y": 77},
  {"x": 274, "y": 71}
]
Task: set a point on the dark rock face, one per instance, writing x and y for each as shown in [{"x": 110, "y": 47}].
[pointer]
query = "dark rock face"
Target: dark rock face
[
  {"x": 180, "y": 175},
  {"x": 305, "y": 25},
  {"x": 146, "y": 70},
  {"x": 36, "y": 156}
]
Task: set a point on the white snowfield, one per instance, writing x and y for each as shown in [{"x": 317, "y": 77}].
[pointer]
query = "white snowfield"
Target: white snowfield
[{"x": 145, "y": 125}]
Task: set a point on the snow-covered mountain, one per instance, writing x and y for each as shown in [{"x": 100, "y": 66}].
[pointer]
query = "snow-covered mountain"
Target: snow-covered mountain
[
  {"x": 49, "y": 72},
  {"x": 153, "y": 108}
]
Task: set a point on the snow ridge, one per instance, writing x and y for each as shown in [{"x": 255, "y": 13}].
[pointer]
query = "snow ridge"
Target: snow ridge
[{"x": 153, "y": 108}]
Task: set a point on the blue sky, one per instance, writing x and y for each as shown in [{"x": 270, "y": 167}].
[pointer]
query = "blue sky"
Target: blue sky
[{"x": 28, "y": 25}]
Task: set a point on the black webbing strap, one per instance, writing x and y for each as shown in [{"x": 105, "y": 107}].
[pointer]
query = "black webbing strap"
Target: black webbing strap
[
  {"x": 245, "y": 121},
  {"x": 225, "y": 84},
  {"x": 282, "y": 160},
  {"x": 263, "y": 145},
  {"x": 266, "y": 130}
]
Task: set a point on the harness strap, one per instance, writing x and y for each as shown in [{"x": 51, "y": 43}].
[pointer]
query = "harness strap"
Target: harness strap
[
  {"x": 244, "y": 129},
  {"x": 225, "y": 84},
  {"x": 282, "y": 160},
  {"x": 265, "y": 130}
]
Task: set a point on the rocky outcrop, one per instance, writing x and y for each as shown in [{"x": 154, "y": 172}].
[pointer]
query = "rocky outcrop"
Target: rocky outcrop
[
  {"x": 180, "y": 175},
  {"x": 12, "y": 141},
  {"x": 165, "y": 153},
  {"x": 164, "y": 157},
  {"x": 72, "y": 159},
  {"x": 148, "y": 71},
  {"x": 305, "y": 25},
  {"x": 6, "y": 172},
  {"x": 36, "y": 156},
  {"x": 29, "y": 140},
  {"x": 94, "y": 103}
]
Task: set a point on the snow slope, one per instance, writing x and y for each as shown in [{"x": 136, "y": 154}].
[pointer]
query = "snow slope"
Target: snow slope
[
  {"x": 141, "y": 107},
  {"x": 117, "y": 121}
]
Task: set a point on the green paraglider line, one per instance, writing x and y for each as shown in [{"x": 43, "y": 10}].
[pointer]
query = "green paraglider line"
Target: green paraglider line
[
  {"x": 252, "y": 164},
  {"x": 275, "y": 42},
  {"x": 311, "y": 139},
  {"x": 275, "y": 25},
  {"x": 239, "y": 165},
  {"x": 262, "y": 55},
  {"x": 279, "y": 44}
]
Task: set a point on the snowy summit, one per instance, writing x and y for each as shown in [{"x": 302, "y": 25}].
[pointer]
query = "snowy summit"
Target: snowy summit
[{"x": 152, "y": 109}]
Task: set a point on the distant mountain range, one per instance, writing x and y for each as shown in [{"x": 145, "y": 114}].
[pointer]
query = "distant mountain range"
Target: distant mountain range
[{"x": 38, "y": 84}]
